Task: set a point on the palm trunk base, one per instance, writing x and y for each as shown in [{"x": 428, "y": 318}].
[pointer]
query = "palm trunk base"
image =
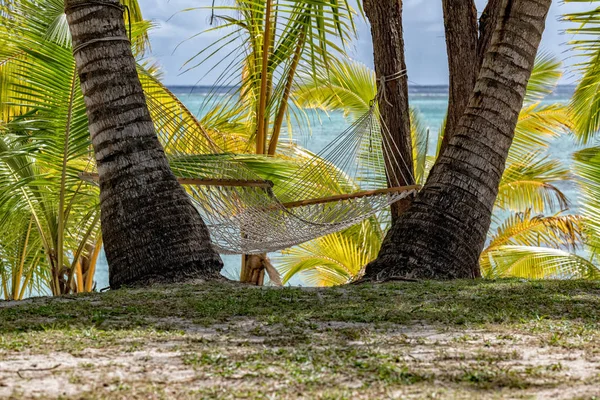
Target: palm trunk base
[
  {"x": 424, "y": 244},
  {"x": 200, "y": 271},
  {"x": 163, "y": 239}
]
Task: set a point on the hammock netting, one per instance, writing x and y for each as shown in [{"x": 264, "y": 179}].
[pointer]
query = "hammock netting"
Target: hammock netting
[{"x": 341, "y": 186}]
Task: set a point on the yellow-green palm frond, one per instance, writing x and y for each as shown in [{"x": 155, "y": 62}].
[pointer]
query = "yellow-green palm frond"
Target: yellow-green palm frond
[
  {"x": 347, "y": 86},
  {"x": 544, "y": 78},
  {"x": 531, "y": 182},
  {"x": 540, "y": 123},
  {"x": 586, "y": 99},
  {"x": 531, "y": 262},
  {"x": 525, "y": 229},
  {"x": 587, "y": 168},
  {"x": 233, "y": 122},
  {"x": 178, "y": 129},
  {"x": 531, "y": 178},
  {"x": 537, "y": 126},
  {"x": 334, "y": 259}
]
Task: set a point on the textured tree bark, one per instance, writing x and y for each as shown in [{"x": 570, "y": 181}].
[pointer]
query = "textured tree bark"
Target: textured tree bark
[
  {"x": 460, "y": 25},
  {"x": 487, "y": 25},
  {"x": 466, "y": 45},
  {"x": 385, "y": 17},
  {"x": 151, "y": 230},
  {"x": 443, "y": 232}
]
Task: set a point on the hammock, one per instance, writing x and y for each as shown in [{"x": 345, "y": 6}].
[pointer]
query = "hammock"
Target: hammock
[{"x": 339, "y": 187}]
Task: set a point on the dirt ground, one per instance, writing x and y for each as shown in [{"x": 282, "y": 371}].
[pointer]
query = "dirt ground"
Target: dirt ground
[{"x": 137, "y": 354}]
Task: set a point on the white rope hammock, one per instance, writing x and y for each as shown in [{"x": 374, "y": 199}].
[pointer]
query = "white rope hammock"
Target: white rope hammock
[{"x": 343, "y": 185}]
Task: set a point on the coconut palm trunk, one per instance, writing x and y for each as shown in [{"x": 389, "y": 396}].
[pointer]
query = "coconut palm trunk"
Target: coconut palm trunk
[
  {"x": 460, "y": 26},
  {"x": 385, "y": 17},
  {"x": 467, "y": 42},
  {"x": 443, "y": 232},
  {"x": 151, "y": 230}
]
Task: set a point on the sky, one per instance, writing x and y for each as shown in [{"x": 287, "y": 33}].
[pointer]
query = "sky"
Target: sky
[{"x": 175, "y": 39}]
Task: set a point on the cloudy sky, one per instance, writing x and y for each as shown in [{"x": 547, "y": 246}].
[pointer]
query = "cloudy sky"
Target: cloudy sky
[{"x": 173, "y": 40}]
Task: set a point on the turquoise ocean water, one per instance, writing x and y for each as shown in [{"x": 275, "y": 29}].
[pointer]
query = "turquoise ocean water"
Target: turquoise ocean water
[{"x": 431, "y": 102}]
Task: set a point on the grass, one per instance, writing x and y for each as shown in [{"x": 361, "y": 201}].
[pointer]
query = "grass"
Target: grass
[{"x": 465, "y": 339}]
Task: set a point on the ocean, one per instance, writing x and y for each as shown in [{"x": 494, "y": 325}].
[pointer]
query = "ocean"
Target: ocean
[{"x": 429, "y": 101}]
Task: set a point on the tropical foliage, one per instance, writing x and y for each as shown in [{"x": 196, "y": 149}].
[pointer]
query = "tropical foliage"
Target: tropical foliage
[
  {"x": 586, "y": 47},
  {"x": 531, "y": 237},
  {"x": 49, "y": 218},
  {"x": 266, "y": 47},
  {"x": 281, "y": 58}
]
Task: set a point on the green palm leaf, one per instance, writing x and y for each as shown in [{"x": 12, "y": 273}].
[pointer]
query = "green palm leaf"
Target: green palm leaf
[
  {"x": 44, "y": 145},
  {"x": 334, "y": 259},
  {"x": 586, "y": 99},
  {"x": 530, "y": 182},
  {"x": 587, "y": 168},
  {"x": 537, "y": 263}
]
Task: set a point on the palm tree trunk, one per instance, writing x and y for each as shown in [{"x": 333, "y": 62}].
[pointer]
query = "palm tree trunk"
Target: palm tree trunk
[
  {"x": 487, "y": 26},
  {"x": 385, "y": 17},
  {"x": 291, "y": 74},
  {"x": 443, "y": 232},
  {"x": 261, "y": 136},
  {"x": 466, "y": 45},
  {"x": 151, "y": 230},
  {"x": 460, "y": 26},
  {"x": 246, "y": 273}
]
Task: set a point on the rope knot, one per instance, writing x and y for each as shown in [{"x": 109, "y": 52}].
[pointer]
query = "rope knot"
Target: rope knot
[{"x": 383, "y": 80}]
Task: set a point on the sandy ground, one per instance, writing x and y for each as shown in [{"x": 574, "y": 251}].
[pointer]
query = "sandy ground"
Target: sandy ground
[{"x": 163, "y": 366}]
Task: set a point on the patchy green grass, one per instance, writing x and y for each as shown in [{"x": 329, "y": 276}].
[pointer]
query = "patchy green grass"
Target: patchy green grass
[{"x": 491, "y": 339}]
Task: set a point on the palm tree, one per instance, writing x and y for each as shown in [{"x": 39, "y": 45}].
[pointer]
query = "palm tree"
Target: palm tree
[
  {"x": 523, "y": 243},
  {"x": 334, "y": 259},
  {"x": 151, "y": 229},
  {"x": 45, "y": 145},
  {"x": 276, "y": 43},
  {"x": 385, "y": 18},
  {"x": 444, "y": 231}
]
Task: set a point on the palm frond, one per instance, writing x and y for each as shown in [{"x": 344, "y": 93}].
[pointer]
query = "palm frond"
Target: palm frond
[
  {"x": 544, "y": 78},
  {"x": 347, "y": 86},
  {"x": 525, "y": 229},
  {"x": 586, "y": 99},
  {"x": 537, "y": 126},
  {"x": 531, "y": 182},
  {"x": 587, "y": 169},
  {"x": 334, "y": 259},
  {"x": 537, "y": 263}
]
